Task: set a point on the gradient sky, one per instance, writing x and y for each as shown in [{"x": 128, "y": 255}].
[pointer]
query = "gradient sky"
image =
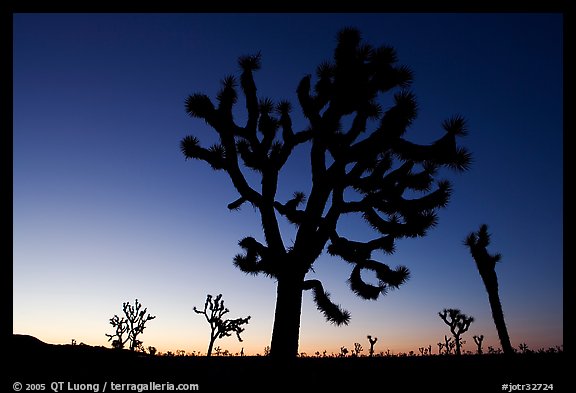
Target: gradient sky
[{"x": 106, "y": 209}]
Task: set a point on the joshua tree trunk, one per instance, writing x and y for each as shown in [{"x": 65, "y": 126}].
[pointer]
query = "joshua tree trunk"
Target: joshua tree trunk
[
  {"x": 211, "y": 345},
  {"x": 286, "y": 329},
  {"x": 458, "y": 343},
  {"x": 491, "y": 285}
]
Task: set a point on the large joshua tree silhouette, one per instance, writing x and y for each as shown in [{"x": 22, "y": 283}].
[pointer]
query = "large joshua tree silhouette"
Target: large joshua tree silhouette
[
  {"x": 352, "y": 171},
  {"x": 486, "y": 264}
]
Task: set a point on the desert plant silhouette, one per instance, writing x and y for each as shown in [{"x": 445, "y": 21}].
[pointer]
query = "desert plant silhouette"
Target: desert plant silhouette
[
  {"x": 458, "y": 323},
  {"x": 372, "y": 341},
  {"x": 486, "y": 264},
  {"x": 214, "y": 312},
  {"x": 448, "y": 345},
  {"x": 378, "y": 167},
  {"x": 357, "y": 349},
  {"x": 133, "y": 324},
  {"x": 478, "y": 341}
]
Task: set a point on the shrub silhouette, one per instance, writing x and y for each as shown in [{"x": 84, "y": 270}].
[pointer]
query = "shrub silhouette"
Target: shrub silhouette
[
  {"x": 486, "y": 264},
  {"x": 214, "y": 312},
  {"x": 458, "y": 323},
  {"x": 132, "y": 324},
  {"x": 380, "y": 167}
]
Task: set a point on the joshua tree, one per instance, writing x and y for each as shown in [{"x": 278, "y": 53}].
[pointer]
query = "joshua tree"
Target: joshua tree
[
  {"x": 133, "y": 324},
  {"x": 214, "y": 312},
  {"x": 523, "y": 347},
  {"x": 357, "y": 349},
  {"x": 458, "y": 323},
  {"x": 394, "y": 181},
  {"x": 121, "y": 327},
  {"x": 425, "y": 351},
  {"x": 372, "y": 342},
  {"x": 440, "y": 346},
  {"x": 448, "y": 345},
  {"x": 486, "y": 264},
  {"x": 478, "y": 340}
]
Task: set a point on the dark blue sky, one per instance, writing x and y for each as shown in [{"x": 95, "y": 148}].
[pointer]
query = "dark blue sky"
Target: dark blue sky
[{"x": 107, "y": 210}]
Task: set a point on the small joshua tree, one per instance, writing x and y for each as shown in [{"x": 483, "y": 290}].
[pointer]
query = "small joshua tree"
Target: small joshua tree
[
  {"x": 121, "y": 327},
  {"x": 458, "y": 323},
  {"x": 448, "y": 345},
  {"x": 478, "y": 340},
  {"x": 357, "y": 349},
  {"x": 492, "y": 350},
  {"x": 372, "y": 342},
  {"x": 523, "y": 347},
  {"x": 133, "y": 324},
  {"x": 214, "y": 312},
  {"x": 425, "y": 351}
]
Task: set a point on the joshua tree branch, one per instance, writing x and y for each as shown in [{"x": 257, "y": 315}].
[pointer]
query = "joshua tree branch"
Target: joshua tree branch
[{"x": 331, "y": 311}]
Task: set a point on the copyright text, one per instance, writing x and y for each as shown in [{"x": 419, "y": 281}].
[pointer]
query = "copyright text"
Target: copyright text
[{"x": 61, "y": 386}]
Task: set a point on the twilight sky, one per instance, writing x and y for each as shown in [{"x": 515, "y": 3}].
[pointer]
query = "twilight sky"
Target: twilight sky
[{"x": 107, "y": 210}]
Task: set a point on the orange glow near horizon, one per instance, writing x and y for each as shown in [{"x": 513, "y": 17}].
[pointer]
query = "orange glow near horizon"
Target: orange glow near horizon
[{"x": 231, "y": 344}]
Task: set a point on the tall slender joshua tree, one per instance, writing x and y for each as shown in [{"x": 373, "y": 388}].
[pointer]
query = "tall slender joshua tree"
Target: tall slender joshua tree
[
  {"x": 352, "y": 172},
  {"x": 486, "y": 264}
]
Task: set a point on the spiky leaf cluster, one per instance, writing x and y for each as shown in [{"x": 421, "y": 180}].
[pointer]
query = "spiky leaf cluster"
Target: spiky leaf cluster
[
  {"x": 477, "y": 243},
  {"x": 456, "y": 320}
]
